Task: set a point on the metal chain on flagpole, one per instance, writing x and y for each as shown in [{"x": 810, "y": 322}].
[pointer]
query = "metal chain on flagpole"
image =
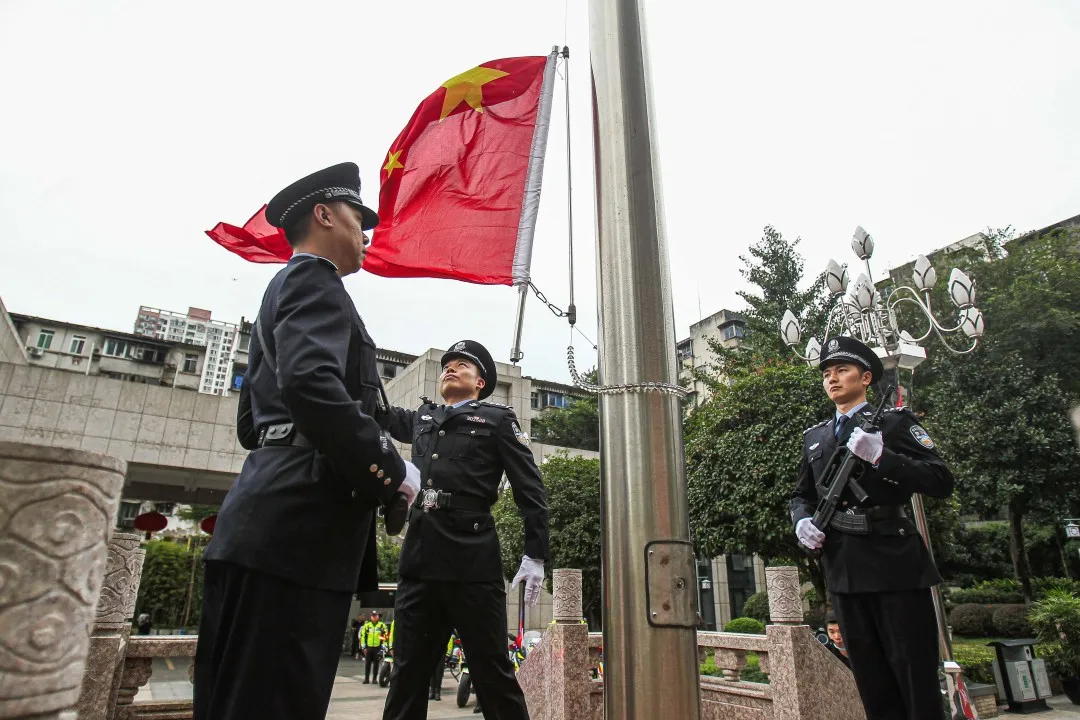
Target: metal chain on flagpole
[{"x": 571, "y": 312}]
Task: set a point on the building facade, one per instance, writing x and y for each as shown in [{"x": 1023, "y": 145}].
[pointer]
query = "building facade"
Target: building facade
[
  {"x": 196, "y": 327},
  {"x": 695, "y": 353},
  {"x": 96, "y": 351}
]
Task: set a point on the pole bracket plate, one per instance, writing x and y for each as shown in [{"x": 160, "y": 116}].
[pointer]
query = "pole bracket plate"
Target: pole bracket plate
[{"x": 671, "y": 584}]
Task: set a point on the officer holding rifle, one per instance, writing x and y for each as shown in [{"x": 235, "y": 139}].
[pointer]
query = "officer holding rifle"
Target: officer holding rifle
[{"x": 878, "y": 570}]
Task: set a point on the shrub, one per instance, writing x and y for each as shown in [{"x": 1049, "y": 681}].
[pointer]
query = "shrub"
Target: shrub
[
  {"x": 1011, "y": 621},
  {"x": 752, "y": 672},
  {"x": 1056, "y": 620},
  {"x": 757, "y": 607},
  {"x": 971, "y": 620},
  {"x": 709, "y": 667},
  {"x": 1006, "y": 591},
  {"x": 745, "y": 625},
  {"x": 977, "y": 661}
]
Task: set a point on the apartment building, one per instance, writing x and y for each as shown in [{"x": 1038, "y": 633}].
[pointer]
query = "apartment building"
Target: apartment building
[{"x": 196, "y": 327}]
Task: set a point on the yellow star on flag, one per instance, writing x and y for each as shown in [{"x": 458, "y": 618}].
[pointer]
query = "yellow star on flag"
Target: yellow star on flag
[
  {"x": 467, "y": 87},
  {"x": 392, "y": 162}
]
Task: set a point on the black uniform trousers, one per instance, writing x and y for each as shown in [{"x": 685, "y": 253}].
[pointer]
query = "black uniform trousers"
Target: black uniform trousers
[
  {"x": 287, "y": 637},
  {"x": 371, "y": 662},
  {"x": 892, "y": 644},
  {"x": 426, "y": 613}
]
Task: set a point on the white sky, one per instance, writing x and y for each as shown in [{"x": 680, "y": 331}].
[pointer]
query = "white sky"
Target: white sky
[{"x": 129, "y": 128}]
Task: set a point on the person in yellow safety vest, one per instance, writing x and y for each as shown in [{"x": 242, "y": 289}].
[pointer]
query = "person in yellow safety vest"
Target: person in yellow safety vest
[
  {"x": 390, "y": 636},
  {"x": 371, "y": 637}
]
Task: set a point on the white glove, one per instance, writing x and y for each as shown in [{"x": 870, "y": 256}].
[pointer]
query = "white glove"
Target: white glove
[
  {"x": 532, "y": 572},
  {"x": 411, "y": 485},
  {"x": 808, "y": 534},
  {"x": 867, "y": 446}
]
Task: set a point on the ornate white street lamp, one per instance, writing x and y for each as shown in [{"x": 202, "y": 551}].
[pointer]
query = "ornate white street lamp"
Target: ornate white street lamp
[{"x": 862, "y": 313}]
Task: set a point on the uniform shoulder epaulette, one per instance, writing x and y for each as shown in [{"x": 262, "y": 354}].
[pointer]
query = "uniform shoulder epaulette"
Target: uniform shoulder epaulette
[
  {"x": 899, "y": 408},
  {"x": 495, "y": 404},
  {"x": 814, "y": 427}
]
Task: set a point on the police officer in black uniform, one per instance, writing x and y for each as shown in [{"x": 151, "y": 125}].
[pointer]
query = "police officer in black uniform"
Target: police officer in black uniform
[
  {"x": 295, "y": 536},
  {"x": 450, "y": 568},
  {"x": 879, "y": 581}
]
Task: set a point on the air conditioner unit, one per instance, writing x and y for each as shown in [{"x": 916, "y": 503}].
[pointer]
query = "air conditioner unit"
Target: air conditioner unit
[{"x": 34, "y": 351}]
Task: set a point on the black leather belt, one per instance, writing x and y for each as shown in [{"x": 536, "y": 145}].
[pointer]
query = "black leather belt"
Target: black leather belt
[
  {"x": 886, "y": 512},
  {"x": 283, "y": 435},
  {"x": 859, "y": 520},
  {"x": 431, "y": 499}
]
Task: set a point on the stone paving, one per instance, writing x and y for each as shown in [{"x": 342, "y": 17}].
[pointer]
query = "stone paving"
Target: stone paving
[{"x": 353, "y": 700}]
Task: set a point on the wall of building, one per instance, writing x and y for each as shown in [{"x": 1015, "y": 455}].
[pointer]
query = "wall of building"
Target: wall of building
[{"x": 11, "y": 345}]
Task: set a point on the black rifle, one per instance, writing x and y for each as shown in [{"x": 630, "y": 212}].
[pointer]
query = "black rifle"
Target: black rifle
[{"x": 842, "y": 472}]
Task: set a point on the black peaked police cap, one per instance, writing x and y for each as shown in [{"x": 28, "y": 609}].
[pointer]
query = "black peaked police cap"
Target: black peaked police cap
[
  {"x": 476, "y": 353},
  {"x": 842, "y": 349},
  {"x": 338, "y": 183}
]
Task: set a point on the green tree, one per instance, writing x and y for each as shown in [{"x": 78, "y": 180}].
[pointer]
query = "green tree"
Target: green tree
[
  {"x": 197, "y": 513},
  {"x": 575, "y": 426},
  {"x": 389, "y": 552},
  {"x": 775, "y": 269},
  {"x": 743, "y": 448},
  {"x": 573, "y": 492},
  {"x": 1001, "y": 413},
  {"x": 166, "y": 582}
]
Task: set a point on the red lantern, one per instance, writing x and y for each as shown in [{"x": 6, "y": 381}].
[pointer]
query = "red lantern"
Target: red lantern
[
  {"x": 208, "y": 523},
  {"x": 151, "y": 522}
]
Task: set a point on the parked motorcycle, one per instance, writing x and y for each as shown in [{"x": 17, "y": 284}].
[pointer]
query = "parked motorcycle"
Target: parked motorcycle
[{"x": 386, "y": 664}]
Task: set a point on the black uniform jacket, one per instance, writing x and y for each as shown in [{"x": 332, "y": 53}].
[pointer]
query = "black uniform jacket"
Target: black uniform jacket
[
  {"x": 306, "y": 514},
  {"x": 893, "y": 556},
  {"x": 465, "y": 451}
]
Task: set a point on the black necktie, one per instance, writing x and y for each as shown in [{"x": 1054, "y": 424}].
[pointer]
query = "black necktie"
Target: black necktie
[{"x": 841, "y": 423}]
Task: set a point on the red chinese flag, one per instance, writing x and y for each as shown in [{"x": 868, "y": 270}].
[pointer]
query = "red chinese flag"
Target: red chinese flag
[
  {"x": 460, "y": 185},
  {"x": 258, "y": 241}
]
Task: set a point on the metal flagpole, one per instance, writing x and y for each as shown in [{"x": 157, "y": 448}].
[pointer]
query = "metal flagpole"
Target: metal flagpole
[{"x": 649, "y": 571}]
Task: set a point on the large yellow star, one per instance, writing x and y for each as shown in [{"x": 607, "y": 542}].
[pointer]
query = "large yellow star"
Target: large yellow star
[
  {"x": 392, "y": 162},
  {"x": 467, "y": 87}
]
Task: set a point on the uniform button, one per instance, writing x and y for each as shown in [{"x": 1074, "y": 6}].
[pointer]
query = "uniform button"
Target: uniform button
[
  {"x": 472, "y": 432},
  {"x": 429, "y": 483},
  {"x": 441, "y": 433},
  {"x": 354, "y": 494},
  {"x": 434, "y": 456},
  {"x": 386, "y": 481},
  {"x": 373, "y": 467},
  {"x": 901, "y": 531},
  {"x": 476, "y": 526},
  {"x": 379, "y": 474}
]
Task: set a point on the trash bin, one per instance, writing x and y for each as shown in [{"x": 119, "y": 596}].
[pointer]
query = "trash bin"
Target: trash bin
[{"x": 1021, "y": 677}]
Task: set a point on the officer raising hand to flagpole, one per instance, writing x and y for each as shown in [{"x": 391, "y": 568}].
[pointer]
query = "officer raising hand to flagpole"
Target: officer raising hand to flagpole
[{"x": 451, "y": 568}]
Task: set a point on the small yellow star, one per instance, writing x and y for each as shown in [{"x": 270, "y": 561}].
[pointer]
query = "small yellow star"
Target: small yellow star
[
  {"x": 392, "y": 162},
  {"x": 467, "y": 87}
]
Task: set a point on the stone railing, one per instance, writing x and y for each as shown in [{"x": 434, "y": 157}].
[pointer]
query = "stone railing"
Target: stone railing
[
  {"x": 805, "y": 681},
  {"x": 138, "y": 666}
]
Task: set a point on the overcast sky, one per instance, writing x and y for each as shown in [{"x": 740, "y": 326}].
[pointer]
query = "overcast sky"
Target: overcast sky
[{"x": 129, "y": 128}]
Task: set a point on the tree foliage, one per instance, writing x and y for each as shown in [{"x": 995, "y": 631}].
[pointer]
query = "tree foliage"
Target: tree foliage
[
  {"x": 1001, "y": 413},
  {"x": 166, "y": 577},
  {"x": 573, "y": 492},
  {"x": 575, "y": 426},
  {"x": 197, "y": 513},
  {"x": 743, "y": 448},
  {"x": 389, "y": 552}
]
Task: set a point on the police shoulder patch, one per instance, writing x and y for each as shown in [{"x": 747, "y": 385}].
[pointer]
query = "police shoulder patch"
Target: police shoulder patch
[
  {"x": 520, "y": 434},
  {"x": 922, "y": 437}
]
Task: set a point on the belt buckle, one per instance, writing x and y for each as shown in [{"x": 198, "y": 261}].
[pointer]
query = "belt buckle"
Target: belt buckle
[{"x": 430, "y": 500}]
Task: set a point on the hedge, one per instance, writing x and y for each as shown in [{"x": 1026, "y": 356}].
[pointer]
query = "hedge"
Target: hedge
[
  {"x": 752, "y": 672},
  {"x": 972, "y": 620},
  {"x": 1006, "y": 591},
  {"x": 745, "y": 625},
  {"x": 1011, "y": 621},
  {"x": 977, "y": 661},
  {"x": 757, "y": 607}
]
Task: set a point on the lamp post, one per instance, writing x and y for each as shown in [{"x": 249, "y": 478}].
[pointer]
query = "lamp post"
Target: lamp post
[{"x": 860, "y": 311}]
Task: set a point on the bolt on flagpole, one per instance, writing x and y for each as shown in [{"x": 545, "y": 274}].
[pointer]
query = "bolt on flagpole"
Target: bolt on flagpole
[{"x": 649, "y": 570}]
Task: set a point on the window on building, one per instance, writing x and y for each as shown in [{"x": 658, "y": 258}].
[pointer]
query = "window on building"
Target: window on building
[
  {"x": 115, "y": 348},
  {"x": 45, "y": 338},
  {"x": 244, "y": 343},
  {"x": 686, "y": 351},
  {"x": 534, "y": 400},
  {"x": 191, "y": 363},
  {"x": 78, "y": 343},
  {"x": 732, "y": 331}
]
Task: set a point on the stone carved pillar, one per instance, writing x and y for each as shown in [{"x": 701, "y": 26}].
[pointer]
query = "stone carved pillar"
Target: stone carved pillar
[
  {"x": 785, "y": 599},
  {"x": 566, "y": 596},
  {"x": 112, "y": 627},
  {"x": 57, "y": 508},
  {"x": 136, "y": 673}
]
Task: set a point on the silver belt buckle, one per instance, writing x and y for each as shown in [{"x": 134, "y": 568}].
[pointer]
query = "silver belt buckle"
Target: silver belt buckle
[{"x": 430, "y": 500}]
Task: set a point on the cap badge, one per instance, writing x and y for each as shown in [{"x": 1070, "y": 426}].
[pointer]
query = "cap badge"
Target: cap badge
[
  {"x": 833, "y": 345},
  {"x": 460, "y": 346}
]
